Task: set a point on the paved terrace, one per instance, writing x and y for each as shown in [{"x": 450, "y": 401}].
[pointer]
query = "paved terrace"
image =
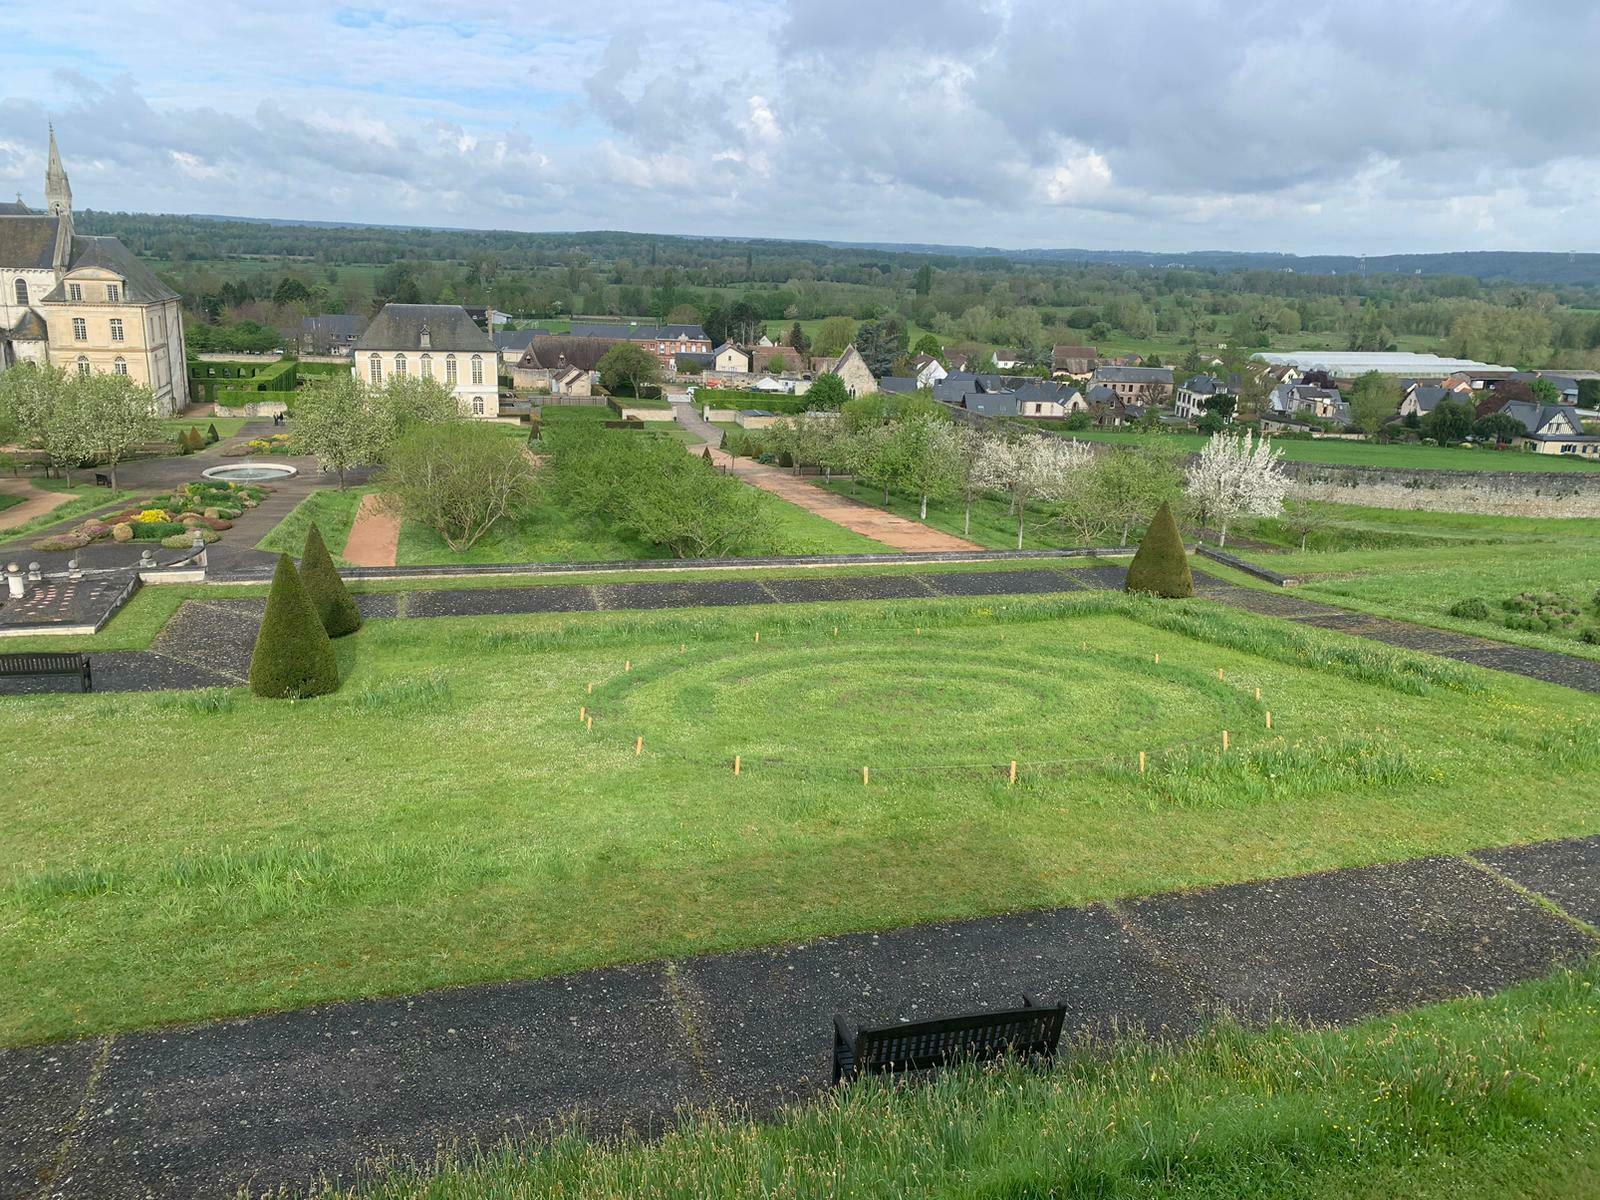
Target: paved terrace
[{"x": 284, "y": 1098}]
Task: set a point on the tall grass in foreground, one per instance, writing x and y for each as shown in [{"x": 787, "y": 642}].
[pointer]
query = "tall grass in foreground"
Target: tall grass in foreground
[{"x": 1507, "y": 1084}]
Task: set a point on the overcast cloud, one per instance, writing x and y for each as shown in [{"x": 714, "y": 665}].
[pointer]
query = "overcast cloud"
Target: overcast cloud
[{"x": 1299, "y": 125}]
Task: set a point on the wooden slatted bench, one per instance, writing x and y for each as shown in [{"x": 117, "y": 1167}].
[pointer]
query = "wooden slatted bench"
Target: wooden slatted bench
[
  {"x": 1030, "y": 1031},
  {"x": 29, "y": 665}
]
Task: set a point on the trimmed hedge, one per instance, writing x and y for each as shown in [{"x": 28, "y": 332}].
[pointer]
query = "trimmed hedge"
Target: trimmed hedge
[
  {"x": 1161, "y": 567},
  {"x": 332, "y": 600},
  {"x": 293, "y": 657}
]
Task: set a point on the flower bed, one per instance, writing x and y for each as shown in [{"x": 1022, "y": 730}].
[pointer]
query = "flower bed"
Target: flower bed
[
  {"x": 277, "y": 443},
  {"x": 208, "y": 505}
]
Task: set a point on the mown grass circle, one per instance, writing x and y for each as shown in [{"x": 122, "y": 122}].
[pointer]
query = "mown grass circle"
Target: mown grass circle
[{"x": 933, "y": 700}]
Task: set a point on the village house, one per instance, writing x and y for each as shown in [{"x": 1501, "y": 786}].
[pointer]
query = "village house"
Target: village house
[
  {"x": 1075, "y": 361},
  {"x": 432, "y": 341},
  {"x": 1008, "y": 360},
  {"x": 1307, "y": 400},
  {"x": 1143, "y": 384},
  {"x": 331, "y": 333},
  {"x": 661, "y": 340},
  {"x": 1192, "y": 396},
  {"x": 927, "y": 370},
  {"x": 851, "y": 368},
  {"x": 1551, "y": 429},
  {"x": 730, "y": 359}
]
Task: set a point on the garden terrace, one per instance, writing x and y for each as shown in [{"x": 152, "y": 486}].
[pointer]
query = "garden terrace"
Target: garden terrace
[{"x": 547, "y": 862}]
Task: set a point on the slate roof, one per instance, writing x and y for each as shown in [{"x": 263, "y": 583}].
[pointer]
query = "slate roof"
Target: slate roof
[
  {"x": 29, "y": 328},
  {"x": 514, "y": 341},
  {"x": 1100, "y": 394},
  {"x": 15, "y": 208},
  {"x": 28, "y": 242},
  {"x": 1060, "y": 356},
  {"x": 894, "y": 384},
  {"x": 399, "y": 327},
  {"x": 139, "y": 282},
  {"x": 1003, "y": 404},
  {"x": 629, "y": 332},
  {"x": 686, "y": 357},
  {"x": 552, "y": 351},
  {"x": 1427, "y": 398},
  {"x": 1536, "y": 417},
  {"x": 1204, "y": 385},
  {"x": 333, "y": 325},
  {"x": 1133, "y": 375}
]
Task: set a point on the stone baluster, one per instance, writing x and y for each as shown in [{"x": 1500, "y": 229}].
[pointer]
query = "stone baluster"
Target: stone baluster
[{"x": 16, "y": 584}]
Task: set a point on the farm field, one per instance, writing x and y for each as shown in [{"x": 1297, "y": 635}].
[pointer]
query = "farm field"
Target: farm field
[
  {"x": 516, "y": 845},
  {"x": 1415, "y": 1105},
  {"x": 1363, "y": 454}
]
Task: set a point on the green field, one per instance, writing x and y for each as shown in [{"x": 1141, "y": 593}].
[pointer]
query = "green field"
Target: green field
[
  {"x": 227, "y": 427},
  {"x": 7, "y": 500},
  {"x": 515, "y": 843},
  {"x": 1403, "y": 457},
  {"x": 1478, "y": 1099}
]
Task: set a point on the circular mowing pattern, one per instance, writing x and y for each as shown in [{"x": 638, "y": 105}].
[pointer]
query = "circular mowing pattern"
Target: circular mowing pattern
[
  {"x": 923, "y": 702},
  {"x": 250, "y": 472}
]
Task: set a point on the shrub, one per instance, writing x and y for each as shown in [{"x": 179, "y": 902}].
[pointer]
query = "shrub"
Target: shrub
[
  {"x": 194, "y": 439},
  {"x": 122, "y": 532},
  {"x": 1589, "y": 635},
  {"x": 62, "y": 541},
  {"x": 1161, "y": 566},
  {"x": 1473, "y": 608},
  {"x": 145, "y": 531},
  {"x": 153, "y": 516},
  {"x": 182, "y": 541},
  {"x": 293, "y": 656},
  {"x": 212, "y": 436},
  {"x": 331, "y": 599}
]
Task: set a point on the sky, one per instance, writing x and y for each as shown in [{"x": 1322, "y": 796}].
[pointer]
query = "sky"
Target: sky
[{"x": 1357, "y": 127}]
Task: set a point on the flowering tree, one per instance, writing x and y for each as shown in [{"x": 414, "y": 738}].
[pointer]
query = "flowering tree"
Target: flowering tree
[
  {"x": 1232, "y": 476},
  {"x": 1032, "y": 467},
  {"x": 970, "y": 443},
  {"x": 929, "y": 458},
  {"x": 118, "y": 416}
]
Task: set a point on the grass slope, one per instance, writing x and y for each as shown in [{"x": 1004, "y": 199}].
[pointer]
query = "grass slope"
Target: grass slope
[
  {"x": 1363, "y": 454},
  {"x": 445, "y": 817},
  {"x": 1471, "y": 1100},
  {"x": 993, "y": 526}
]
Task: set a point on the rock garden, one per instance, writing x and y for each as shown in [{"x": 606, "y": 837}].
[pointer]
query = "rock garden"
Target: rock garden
[
  {"x": 277, "y": 443},
  {"x": 171, "y": 519}
]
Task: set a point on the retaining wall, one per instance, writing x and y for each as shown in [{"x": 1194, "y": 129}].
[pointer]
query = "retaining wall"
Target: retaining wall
[{"x": 1498, "y": 493}]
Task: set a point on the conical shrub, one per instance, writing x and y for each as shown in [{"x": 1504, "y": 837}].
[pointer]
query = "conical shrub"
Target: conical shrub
[
  {"x": 293, "y": 656},
  {"x": 211, "y": 433},
  {"x": 323, "y": 584},
  {"x": 1161, "y": 567}
]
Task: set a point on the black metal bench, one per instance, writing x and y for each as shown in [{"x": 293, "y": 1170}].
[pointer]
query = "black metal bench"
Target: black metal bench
[
  {"x": 102, "y": 480},
  {"x": 1031, "y": 1030},
  {"x": 27, "y": 665}
]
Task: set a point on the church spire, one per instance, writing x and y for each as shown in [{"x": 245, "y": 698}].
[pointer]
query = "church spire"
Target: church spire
[{"x": 57, "y": 191}]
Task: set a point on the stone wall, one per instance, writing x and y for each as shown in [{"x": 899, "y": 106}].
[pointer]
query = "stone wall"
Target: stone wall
[{"x": 1496, "y": 493}]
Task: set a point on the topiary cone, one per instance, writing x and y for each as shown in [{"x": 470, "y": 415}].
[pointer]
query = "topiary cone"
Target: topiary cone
[
  {"x": 293, "y": 656},
  {"x": 1161, "y": 567},
  {"x": 323, "y": 584}
]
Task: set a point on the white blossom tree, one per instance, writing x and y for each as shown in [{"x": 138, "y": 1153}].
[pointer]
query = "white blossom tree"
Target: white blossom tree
[
  {"x": 118, "y": 416},
  {"x": 970, "y": 442},
  {"x": 1031, "y": 467},
  {"x": 929, "y": 458},
  {"x": 1234, "y": 476}
]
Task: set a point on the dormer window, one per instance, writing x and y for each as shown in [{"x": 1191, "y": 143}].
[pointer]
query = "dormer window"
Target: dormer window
[
  {"x": 113, "y": 293},
  {"x": 74, "y": 292}
]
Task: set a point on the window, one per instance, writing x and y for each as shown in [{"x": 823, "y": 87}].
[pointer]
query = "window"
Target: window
[
  {"x": 477, "y": 406},
  {"x": 22, "y": 292},
  {"x": 120, "y": 366},
  {"x": 83, "y": 366},
  {"x": 450, "y": 369},
  {"x": 113, "y": 293},
  {"x": 477, "y": 370},
  {"x": 399, "y": 366},
  {"x": 80, "y": 329},
  {"x": 74, "y": 291},
  {"x": 427, "y": 366},
  {"x": 116, "y": 329},
  {"x": 375, "y": 371}
]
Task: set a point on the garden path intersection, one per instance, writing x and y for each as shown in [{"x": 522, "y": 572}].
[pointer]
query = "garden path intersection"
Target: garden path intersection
[{"x": 285, "y": 1098}]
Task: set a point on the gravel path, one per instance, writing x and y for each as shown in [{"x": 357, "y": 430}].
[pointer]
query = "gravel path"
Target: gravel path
[
  {"x": 374, "y": 535},
  {"x": 283, "y": 1098}
]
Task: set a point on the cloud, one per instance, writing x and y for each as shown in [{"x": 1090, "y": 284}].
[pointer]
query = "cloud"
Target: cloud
[{"x": 1172, "y": 124}]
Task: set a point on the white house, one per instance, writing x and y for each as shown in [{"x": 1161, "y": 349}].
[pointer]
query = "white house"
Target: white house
[
  {"x": 731, "y": 359},
  {"x": 927, "y": 370},
  {"x": 1007, "y": 360},
  {"x": 432, "y": 341}
]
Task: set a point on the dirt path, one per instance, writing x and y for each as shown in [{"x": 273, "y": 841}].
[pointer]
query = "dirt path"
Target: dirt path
[
  {"x": 35, "y": 502},
  {"x": 898, "y": 533},
  {"x": 374, "y": 536}
]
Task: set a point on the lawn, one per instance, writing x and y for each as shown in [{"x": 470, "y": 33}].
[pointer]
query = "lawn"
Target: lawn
[
  {"x": 7, "y": 499},
  {"x": 332, "y": 510},
  {"x": 86, "y": 498},
  {"x": 1415, "y": 566},
  {"x": 993, "y": 525},
  {"x": 552, "y": 534},
  {"x": 446, "y": 818},
  {"x": 1401, "y": 457},
  {"x": 227, "y": 427},
  {"x": 1477, "y": 1099}
]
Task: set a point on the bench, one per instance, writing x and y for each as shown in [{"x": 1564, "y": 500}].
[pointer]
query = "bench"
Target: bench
[
  {"x": 1031, "y": 1030},
  {"x": 102, "y": 480},
  {"x": 14, "y": 666}
]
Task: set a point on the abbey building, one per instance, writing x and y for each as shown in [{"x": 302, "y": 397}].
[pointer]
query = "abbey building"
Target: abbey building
[{"x": 85, "y": 303}]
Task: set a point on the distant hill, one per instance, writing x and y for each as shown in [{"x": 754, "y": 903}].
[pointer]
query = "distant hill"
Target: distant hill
[{"x": 1489, "y": 266}]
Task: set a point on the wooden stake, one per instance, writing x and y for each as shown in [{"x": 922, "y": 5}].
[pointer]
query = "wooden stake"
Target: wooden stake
[
  {"x": 638, "y": 746},
  {"x": 1141, "y": 762},
  {"x": 1269, "y": 719},
  {"x": 682, "y": 646},
  {"x": 866, "y": 775},
  {"x": 590, "y": 692},
  {"x": 735, "y": 764},
  {"x": 1258, "y": 695},
  {"x": 758, "y": 635},
  {"x": 1158, "y": 658},
  {"x": 835, "y": 631},
  {"x": 583, "y": 712},
  {"x": 1013, "y": 782},
  {"x": 588, "y": 723},
  {"x": 1224, "y": 741},
  {"x": 628, "y": 665},
  {"x": 1219, "y": 672}
]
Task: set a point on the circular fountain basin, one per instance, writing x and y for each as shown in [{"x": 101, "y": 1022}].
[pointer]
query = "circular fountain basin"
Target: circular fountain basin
[{"x": 250, "y": 472}]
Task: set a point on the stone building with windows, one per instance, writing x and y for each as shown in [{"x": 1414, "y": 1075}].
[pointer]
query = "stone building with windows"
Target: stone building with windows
[
  {"x": 85, "y": 303},
  {"x": 432, "y": 341}
]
